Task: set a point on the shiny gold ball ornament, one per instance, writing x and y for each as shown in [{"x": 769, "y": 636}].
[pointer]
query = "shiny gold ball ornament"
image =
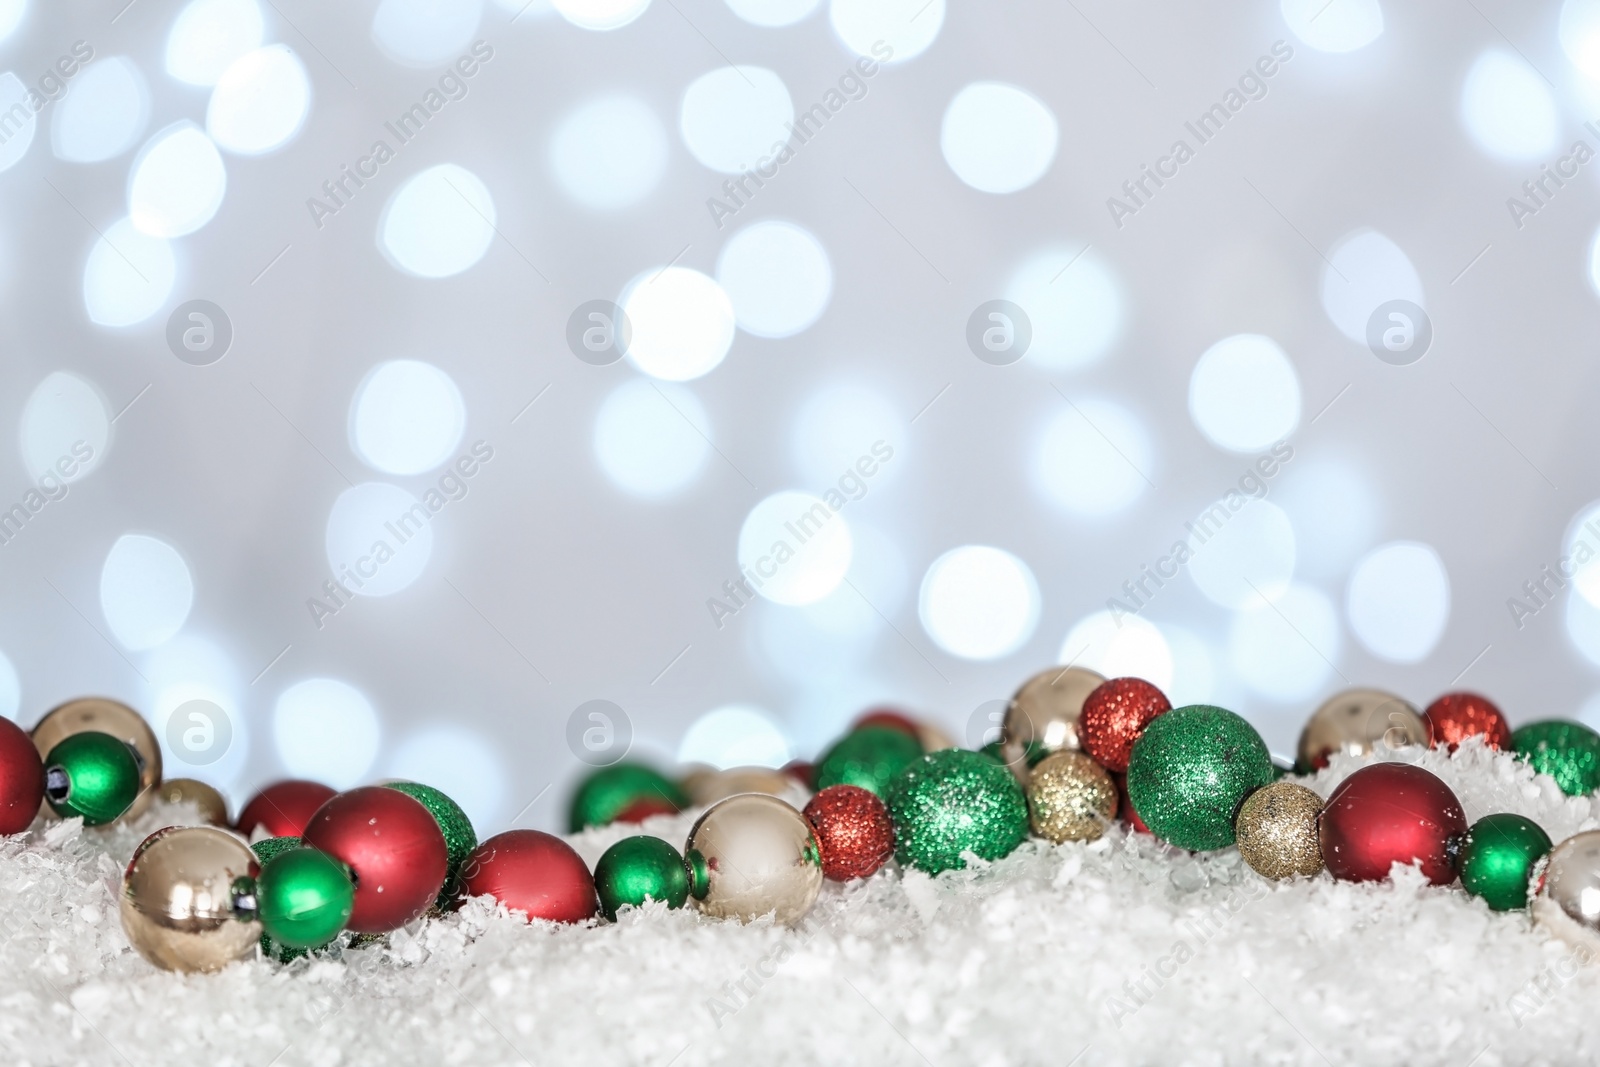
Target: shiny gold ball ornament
[
  {"x": 710, "y": 786},
  {"x": 1276, "y": 831},
  {"x": 188, "y": 899},
  {"x": 213, "y": 809},
  {"x": 1070, "y": 798},
  {"x": 1566, "y": 898},
  {"x": 1043, "y": 715},
  {"x": 1356, "y": 722},
  {"x": 108, "y": 717},
  {"x": 752, "y": 855}
]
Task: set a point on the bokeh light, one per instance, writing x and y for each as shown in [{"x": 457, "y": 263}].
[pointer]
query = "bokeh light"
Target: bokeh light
[
  {"x": 208, "y": 35},
  {"x": 735, "y": 118},
  {"x": 609, "y": 153},
  {"x": 1074, "y": 303},
  {"x": 463, "y": 765},
  {"x": 326, "y": 730},
  {"x": 1286, "y": 650},
  {"x": 1244, "y": 394},
  {"x": 979, "y": 602},
  {"x": 178, "y": 182},
  {"x": 1244, "y": 551},
  {"x": 105, "y": 109},
  {"x": 260, "y": 102},
  {"x": 65, "y": 429},
  {"x": 735, "y": 735},
  {"x": 682, "y": 323},
  {"x": 1119, "y": 646},
  {"x": 1093, "y": 458},
  {"x": 146, "y": 591},
  {"x": 1508, "y": 109},
  {"x": 439, "y": 223},
  {"x": 652, "y": 439},
  {"x": 425, "y": 33},
  {"x": 890, "y": 31},
  {"x": 1366, "y": 269},
  {"x": 794, "y": 548},
  {"x": 998, "y": 138},
  {"x": 407, "y": 417},
  {"x": 1398, "y": 601},
  {"x": 128, "y": 276},
  {"x": 778, "y": 277},
  {"x": 379, "y": 539},
  {"x": 1334, "y": 25}
]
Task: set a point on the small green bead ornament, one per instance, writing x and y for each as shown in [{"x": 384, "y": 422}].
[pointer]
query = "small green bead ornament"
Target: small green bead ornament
[
  {"x": 1498, "y": 858},
  {"x": 869, "y": 757},
  {"x": 304, "y": 897},
  {"x": 954, "y": 801},
  {"x": 1569, "y": 752},
  {"x": 637, "y": 869},
  {"x": 459, "y": 837},
  {"x": 1190, "y": 771},
  {"x": 610, "y": 791},
  {"x": 91, "y": 775}
]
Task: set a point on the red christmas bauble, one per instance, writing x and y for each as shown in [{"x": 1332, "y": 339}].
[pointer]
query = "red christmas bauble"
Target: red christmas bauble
[
  {"x": 1113, "y": 717},
  {"x": 890, "y": 717},
  {"x": 393, "y": 847},
  {"x": 531, "y": 872},
  {"x": 1391, "y": 813},
  {"x": 643, "y": 808},
  {"x": 283, "y": 809},
  {"x": 802, "y": 772},
  {"x": 854, "y": 833},
  {"x": 1125, "y": 805},
  {"x": 1455, "y": 717},
  {"x": 21, "y": 778}
]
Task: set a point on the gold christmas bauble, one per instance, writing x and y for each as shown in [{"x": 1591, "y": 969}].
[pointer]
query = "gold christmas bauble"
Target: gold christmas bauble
[
  {"x": 1276, "y": 831},
  {"x": 108, "y": 717},
  {"x": 1043, "y": 716},
  {"x": 751, "y": 855},
  {"x": 933, "y": 738},
  {"x": 708, "y": 787},
  {"x": 188, "y": 899},
  {"x": 1070, "y": 798},
  {"x": 1566, "y": 901},
  {"x": 213, "y": 809},
  {"x": 1358, "y": 721}
]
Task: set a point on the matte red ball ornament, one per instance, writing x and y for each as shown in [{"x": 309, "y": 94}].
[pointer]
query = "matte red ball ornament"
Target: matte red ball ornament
[
  {"x": 532, "y": 872},
  {"x": 394, "y": 848},
  {"x": 644, "y": 808},
  {"x": 21, "y": 778},
  {"x": 890, "y": 717},
  {"x": 1113, "y": 717},
  {"x": 1391, "y": 813},
  {"x": 1455, "y": 717},
  {"x": 283, "y": 809},
  {"x": 802, "y": 772},
  {"x": 854, "y": 833}
]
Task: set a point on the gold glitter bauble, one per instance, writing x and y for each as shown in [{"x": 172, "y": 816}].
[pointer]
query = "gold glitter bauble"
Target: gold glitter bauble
[
  {"x": 182, "y": 896},
  {"x": 1356, "y": 722},
  {"x": 1070, "y": 798},
  {"x": 1043, "y": 716},
  {"x": 108, "y": 717},
  {"x": 1566, "y": 901},
  {"x": 750, "y": 855},
  {"x": 213, "y": 809},
  {"x": 708, "y": 787},
  {"x": 1276, "y": 831}
]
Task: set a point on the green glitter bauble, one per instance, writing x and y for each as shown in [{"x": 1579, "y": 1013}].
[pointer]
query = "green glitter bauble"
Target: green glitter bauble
[
  {"x": 266, "y": 849},
  {"x": 610, "y": 791},
  {"x": 1569, "y": 752},
  {"x": 1190, "y": 771},
  {"x": 1498, "y": 857},
  {"x": 869, "y": 757},
  {"x": 92, "y": 775},
  {"x": 303, "y": 898},
  {"x": 459, "y": 837},
  {"x": 954, "y": 801},
  {"x": 637, "y": 869}
]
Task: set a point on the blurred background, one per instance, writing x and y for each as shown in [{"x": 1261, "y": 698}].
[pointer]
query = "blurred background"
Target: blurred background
[{"x": 390, "y": 380}]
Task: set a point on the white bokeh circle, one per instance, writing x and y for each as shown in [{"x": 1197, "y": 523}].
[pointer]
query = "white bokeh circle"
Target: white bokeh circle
[
  {"x": 1093, "y": 458},
  {"x": 146, "y": 591},
  {"x": 652, "y": 439},
  {"x": 407, "y": 417},
  {"x": 1243, "y": 551},
  {"x": 778, "y": 276},
  {"x": 326, "y": 731},
  {"x": 795, "y": 546},
  {"x": 1398, "y": 601},
  {"x": 979, "y": 602},
  {"x": 998, "y": 138},
  {"x": 260, "y": 102},
  {"x": 379, "y": 539},
  {"x": 681, "y": 321},
  {"x": 609, "y": 153},
  {"x": 734, "y": 117},
  {"x": 1244, "y": 394},
  {"x": 439, "y": 223}
]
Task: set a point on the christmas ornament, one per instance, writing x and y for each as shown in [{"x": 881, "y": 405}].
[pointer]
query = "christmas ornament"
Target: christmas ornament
[
  {"x": 933, "y": 738},
  {"x": 1276, "y": 831},
  {"x": 1114, "y": 715},
  {"x": 394, "y": 849},
  {"x": 644, "y": 808},
  {"x": 1125, "y": 804},
  {"x": 1191, "y": 769},
  {"x": 854, "y": 833},
  {"x": 1070, "y": 798},
  {"x": 753, "y": 855},
  {"x": 213, "y": 809},
  {"x": 187, "y": 899},
  {"x": 1356, "y": 722},
  {"x": 266, "y": 849},
  {"x": 21, "y": 779},
  {"x": 637, "y": 869},
  {"x": 892, "y": 719},
  {"x": 868, "y": 757},
  {"x": 1569, "y": 752},
  {"x": 719, "y": 785},
  {"x": 459, "y": 837},
  {"x": 532, "y": 872},
  {"x": 802, "y": 772},
  {"x": 283, "y": 809},
  {"x": 955, "y": 801},
  {"x": 1045, "y": 712},
  {"x": 91, "y": 775},
  {"x": 1567, "y": 892},
  {"x": 609, "y": 791},
  {"x": 1390, "y": 813},
  {"x": 303, "y": 898},
  {"x": 1032, "y": 752},
  {"x": 1455, "y": 717},
  {"x": 1498, "y": 858},
  {"x": 112, "y": 717}
]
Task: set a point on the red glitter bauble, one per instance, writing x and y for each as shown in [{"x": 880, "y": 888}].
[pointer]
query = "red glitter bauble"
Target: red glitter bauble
[
  {"x": 1125, "y": 805},
  {"x": 853, "y": 831},
  {"x": 394, "y": 848},
  {"x": 1455, "y": 717},
  {"x": 644, "y": 808},
  {"x": 890, "y": 717},
  {"x": 531, "y": 872},
  {"x": 1391, "y": 813},
  {"x": 21, "y": 778},
  {"x": 283, "y": 809},
  {"x": 1113, "y": 717}
]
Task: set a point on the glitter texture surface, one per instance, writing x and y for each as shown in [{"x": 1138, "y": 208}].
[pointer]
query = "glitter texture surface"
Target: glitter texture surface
[
  {"x": 1277, "y": 831},
  {"x": 955, "y": 801},
  {"x": 1455, "y": 717},
  {"x": 1115, "y": 715},
  {"x": 854, "y": 832},
  {"x": 1071, "y": 798},
  {"x": 459, "y": 837},
  {"x": 869, "y": 757},
  {"x": 1191, "y": 769},
  {"x": 1569, "y": 752}
]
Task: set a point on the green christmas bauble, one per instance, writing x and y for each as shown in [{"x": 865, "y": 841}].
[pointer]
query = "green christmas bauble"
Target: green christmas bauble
[
  {"x": 637, "y": 869},
  {"x": 266, "y": 849},
  {"x": 92, "y": 775},
  {"x": 869, "y": 757},
  {"x": 610, "y": 791},
  {"x": 1569, "y": 752},
  {"x": 1190, "y": 771},
  {"x": 304, "y": 897},
  {"x": 459, "y": 837},
  {"x": 1498, "y": 857},
  {"x": 954, "y": 801}
]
